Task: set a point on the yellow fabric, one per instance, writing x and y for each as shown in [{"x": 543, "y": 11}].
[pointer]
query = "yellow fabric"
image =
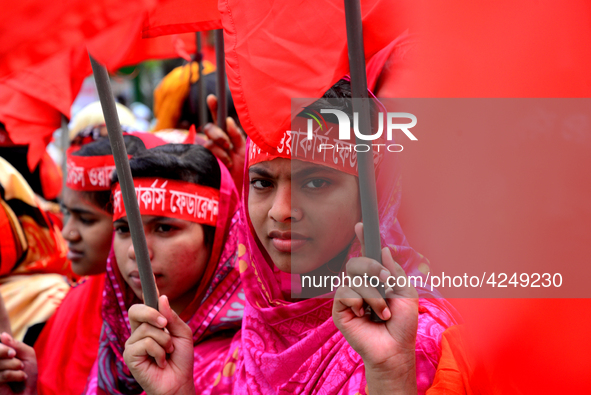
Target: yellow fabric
[
  {"x": 31, "y": 299},
  {"x": 172, "y": 92}
]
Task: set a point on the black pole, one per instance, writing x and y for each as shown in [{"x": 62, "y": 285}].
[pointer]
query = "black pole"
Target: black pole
[
  {"x": 367, "y": 180},
  {"x": 201, "y": 96},
  {"x": 65, "y": 144},
  {"x": 220, "y": 60},
  {"x": 103, "y": 86}
]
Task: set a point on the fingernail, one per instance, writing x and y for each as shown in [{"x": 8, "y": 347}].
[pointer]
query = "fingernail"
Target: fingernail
[
  {"x": 161, "y": 321},
  {"x": 11, "y": 353},
  {"x": 170, "y": 349},
  {"x": 361, "y": 312},
  {"x": 386, "y": 314},
  {"x": 384, "y": 274}
]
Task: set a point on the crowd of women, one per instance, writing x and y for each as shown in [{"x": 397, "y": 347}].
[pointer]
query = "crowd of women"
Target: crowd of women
[{"x": 230, "y": 228}]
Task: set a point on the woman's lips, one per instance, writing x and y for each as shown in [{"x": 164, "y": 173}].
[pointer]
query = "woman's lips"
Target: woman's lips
[
  {"x": 135, "y": 279},
  {"x": 134, "y": 276},
  {"x": 74, "y": 255},
  {"x": 287, "y": 241}
]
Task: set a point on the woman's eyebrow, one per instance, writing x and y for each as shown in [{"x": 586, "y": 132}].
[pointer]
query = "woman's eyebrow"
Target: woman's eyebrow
[
  {"x": 260, "y": 172},
  {"x": 75, "y": 210},
  {"x": 162, "y": 219},
  {"x": 307, "y": 171},
  {"x": 120, "y": 221}
]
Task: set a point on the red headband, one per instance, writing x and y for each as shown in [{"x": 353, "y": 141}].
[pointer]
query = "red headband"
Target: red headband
[
  {"x": 324, "y": 148},
  {"x": 172, "y": 199},
  {"x": 90, "y": 173}
]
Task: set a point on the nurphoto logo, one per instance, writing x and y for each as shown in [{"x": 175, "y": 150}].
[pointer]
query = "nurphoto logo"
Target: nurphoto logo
[{"x": 345, "y": 130}]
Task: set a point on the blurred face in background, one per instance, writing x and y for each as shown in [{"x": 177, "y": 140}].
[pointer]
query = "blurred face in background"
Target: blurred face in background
[{"x": 88, "y": 231}]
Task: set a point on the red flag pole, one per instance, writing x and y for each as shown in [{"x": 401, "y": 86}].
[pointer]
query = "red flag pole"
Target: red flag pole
[
  {"x": 134, "y": 218},
  {"x": 221, "y": 79},
  {"x": 367, "y": 180}
]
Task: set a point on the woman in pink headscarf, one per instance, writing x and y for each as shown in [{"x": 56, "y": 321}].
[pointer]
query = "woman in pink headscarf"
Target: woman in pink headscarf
[
  {"x": 189, "y": 207},
  {"x": 299, "y": 219}
]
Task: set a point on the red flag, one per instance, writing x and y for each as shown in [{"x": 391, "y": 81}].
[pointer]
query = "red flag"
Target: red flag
[
  {"x": 520, "y": 208},
  {"x": 501, "y": 49},
  {"x": 34, "y": 99},
  {"x": 280, "y": 50},
  {"x": 123, "y": 45},
  {"x": 34, "y": 30},
  {"x": 182, "y": 16}
]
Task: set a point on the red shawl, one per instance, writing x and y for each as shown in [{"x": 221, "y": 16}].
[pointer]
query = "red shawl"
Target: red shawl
[{"x": 68, "y": 345}]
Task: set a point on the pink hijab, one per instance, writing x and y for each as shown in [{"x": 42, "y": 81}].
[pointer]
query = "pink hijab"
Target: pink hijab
[
  {"x": 290, "y": 347},
  {"x": 214, "y": 315}
]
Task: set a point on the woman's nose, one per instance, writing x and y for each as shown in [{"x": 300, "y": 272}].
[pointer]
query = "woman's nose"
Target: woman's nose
[
  {"x": 131, "y": 251},
  {"x": 69, "y": 232},
  {"x": 282, "y": 210}
]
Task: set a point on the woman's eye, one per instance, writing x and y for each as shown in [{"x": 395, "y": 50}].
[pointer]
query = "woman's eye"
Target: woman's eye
[
  {"x": 317, "y": 183},
  {"x": 122, "y": 229},
  {"x": 87, "y": 221},
  {"x": 261, "y": 184},
  {"x": 164, "y": 228}
]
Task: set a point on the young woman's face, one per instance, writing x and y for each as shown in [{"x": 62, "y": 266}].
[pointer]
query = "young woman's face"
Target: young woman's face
[
  {"x": 89, "y": 231},
  {"x": 303, "y": 214},
  {"x": 177, "y": 253}
]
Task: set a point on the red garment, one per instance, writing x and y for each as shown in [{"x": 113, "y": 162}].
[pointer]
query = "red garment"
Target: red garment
[{"x": 68, "y": 345}]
